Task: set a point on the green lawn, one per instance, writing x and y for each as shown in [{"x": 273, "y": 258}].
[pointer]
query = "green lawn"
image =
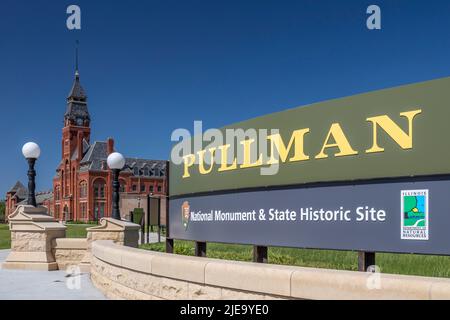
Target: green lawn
[
  {"x": 77, "y": 230},
  {"x": 433, "y": 266},
  {"x": 5, "y": 237}
]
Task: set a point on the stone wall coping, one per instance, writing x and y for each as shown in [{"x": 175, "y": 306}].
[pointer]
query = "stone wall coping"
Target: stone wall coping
[
  {"x": 110, "y": 224},
  {"x": 31, "y": 218},
  {"x": 25, "y": 210},
  {"x": 283, "y": 281},
  {"x": 70, "y": 243}
]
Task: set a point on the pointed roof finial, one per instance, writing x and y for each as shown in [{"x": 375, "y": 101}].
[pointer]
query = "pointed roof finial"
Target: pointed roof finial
[{"x": 77, "y": 73}]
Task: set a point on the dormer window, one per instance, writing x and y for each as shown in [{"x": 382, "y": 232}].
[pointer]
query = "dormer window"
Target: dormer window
[
  {"x": 145, "y": 171},
  {"x": 136, "y": 171}
]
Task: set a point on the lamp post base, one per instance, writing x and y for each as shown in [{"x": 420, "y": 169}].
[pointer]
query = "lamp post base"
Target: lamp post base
[
  {"x": 122, "y": 232},
  {"x": 32, "y": 233}
]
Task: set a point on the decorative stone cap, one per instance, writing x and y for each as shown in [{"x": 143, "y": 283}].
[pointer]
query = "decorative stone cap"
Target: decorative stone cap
[
  {"x": 70, "y": 243},
  {"x": 110, "y": 224},
  {"x": 27, "y": 217}
]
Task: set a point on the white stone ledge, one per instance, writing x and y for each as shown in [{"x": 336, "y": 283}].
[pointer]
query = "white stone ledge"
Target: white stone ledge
[
  {"x": 272, "y": 280},
  {"x": 262, "y": 278},
  {"x": 70, "y": 243}
]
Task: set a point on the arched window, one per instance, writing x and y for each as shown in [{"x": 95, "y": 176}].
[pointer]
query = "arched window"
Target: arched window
[
  {"x": 83, "y": 189},
  {"x": 99, "y": 189},
  {"x": 57, "y": 193},
  {"x": 146, "y": 171},
  {"x": 67, "y": 179},
  {"x": 136, "y": 171},
  {"x": 99, "y": 198},
  {"x": 83, "y": 210}
]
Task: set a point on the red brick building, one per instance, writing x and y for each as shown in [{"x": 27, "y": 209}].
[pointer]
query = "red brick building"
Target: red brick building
[
  {"x": 18, "y": 195},
  {"x": 82, "y": 187}
]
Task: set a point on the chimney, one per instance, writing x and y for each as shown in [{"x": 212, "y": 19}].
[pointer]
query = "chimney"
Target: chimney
[{"x": 110, "y": 148}]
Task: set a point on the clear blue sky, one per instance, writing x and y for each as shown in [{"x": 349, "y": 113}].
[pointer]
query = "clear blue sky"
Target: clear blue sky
[{"x": 150, "y": 67}]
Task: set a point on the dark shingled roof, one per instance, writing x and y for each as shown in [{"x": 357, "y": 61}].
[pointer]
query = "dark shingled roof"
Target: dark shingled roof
[
  {"x": 96, "y": 155},
  {"x": 143, "y": 167},
  {"x": 77, "y": 92},
  {"x": 17, "y": 186},
  {"x": 21, "y": 192},
  {"x": 41, "y": 197}
]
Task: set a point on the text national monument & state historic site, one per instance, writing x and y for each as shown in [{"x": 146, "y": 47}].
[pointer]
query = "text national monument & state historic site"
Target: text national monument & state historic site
[{"x": 344, "y": 197}]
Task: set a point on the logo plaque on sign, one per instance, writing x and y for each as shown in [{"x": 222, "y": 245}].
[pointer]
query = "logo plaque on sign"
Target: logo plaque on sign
[
  {"x": 185, "y": 213},
  {"x": 414, "y": 214}
]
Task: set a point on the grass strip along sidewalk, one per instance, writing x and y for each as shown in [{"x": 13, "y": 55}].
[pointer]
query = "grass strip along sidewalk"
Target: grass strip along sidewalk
[{"x": 407, "y": 264}]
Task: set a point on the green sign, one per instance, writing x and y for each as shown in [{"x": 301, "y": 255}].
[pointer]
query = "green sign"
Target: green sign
[
  {"x": 398, "y": 132},
  {"x": 138, "y": 215}
]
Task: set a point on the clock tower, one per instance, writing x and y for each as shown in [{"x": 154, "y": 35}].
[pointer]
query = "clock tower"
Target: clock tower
[
  {"x": 76, "y": 121},
  {"x": 75, "y": 142}
]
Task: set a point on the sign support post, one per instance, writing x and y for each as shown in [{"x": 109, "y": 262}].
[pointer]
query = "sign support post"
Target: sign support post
[
  {"x": 169, "y": 241},
  {"x": 159, "y": 220},
  {"x": 169, "y": 245},
  {"x": 365, "y": 260},
  {"x": 260, "y": 254},
  {"x": 148, "y": 220},
  {"x": 200, "y": 249}
]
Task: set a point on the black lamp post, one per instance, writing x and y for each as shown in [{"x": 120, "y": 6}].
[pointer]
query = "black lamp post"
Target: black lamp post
[
  {"x": 116, "y": 162},
  {"x": 31, "y": 152}
]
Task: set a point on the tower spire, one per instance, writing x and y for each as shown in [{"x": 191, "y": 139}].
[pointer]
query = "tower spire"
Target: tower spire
[
  {"x": 77, "y": 92},
  {"x": 77, "y": 73}
]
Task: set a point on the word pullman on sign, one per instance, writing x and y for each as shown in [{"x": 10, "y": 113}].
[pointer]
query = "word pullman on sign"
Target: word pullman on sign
[{"x": 294, "y": 151}]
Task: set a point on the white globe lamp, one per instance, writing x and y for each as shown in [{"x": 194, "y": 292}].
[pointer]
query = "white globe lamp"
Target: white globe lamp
[
  {"x": 116, "y": 162},
  {"x": 31, "y": 152}
]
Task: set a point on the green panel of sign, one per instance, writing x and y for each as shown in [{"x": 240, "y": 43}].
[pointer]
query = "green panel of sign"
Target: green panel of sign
[{"x": 398, "y": 132}]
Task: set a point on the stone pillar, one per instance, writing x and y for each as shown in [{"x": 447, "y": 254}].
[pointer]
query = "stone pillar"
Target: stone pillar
[
  {"x": 122, "y": 232},
  {"x": 32, "y": 233}
]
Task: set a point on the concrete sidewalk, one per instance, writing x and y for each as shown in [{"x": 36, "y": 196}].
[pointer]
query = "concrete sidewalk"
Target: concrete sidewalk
[{"x": 45, "y": 285}]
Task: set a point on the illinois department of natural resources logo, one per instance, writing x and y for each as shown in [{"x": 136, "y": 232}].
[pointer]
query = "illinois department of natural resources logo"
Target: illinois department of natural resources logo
[
  {"x": 185, "y": 214},
  {"x": 414, "y": 215}
]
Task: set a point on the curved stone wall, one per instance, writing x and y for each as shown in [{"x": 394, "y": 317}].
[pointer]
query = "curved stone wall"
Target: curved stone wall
[{"x": 127, "y": 273}]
